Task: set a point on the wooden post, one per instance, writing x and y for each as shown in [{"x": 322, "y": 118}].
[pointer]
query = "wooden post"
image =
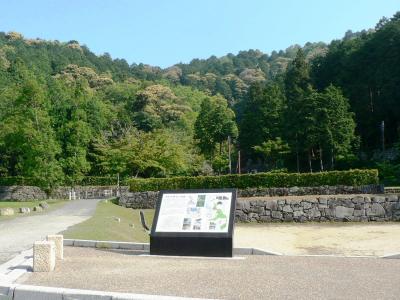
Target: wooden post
[
  {"x": 239, "y": 170},
  {"x": 229, "y": 154}
]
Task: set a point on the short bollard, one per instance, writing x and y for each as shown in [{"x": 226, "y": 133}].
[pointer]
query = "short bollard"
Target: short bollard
[
  {"x": 58, "y": 240},
  {"x": 44, "y": 256}
]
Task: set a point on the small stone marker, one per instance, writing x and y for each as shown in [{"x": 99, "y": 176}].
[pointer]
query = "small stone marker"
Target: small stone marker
[
  {"x": 117, "y": 219},
  {"x": 44, "y": 256},
  {"x": 7, "y": 211},
  {"x": 37, "y": 208},
  {"x": 24, "y": 210},
  {"x": 58, "y": 240},
  {"x": 44, "y": 205}
]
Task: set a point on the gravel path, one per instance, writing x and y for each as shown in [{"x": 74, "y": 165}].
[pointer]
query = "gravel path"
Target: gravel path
[
  {"x": 255, "y": 277},
  {"x": 344, "y": 239},
  {"x": 19, "y": 234}
]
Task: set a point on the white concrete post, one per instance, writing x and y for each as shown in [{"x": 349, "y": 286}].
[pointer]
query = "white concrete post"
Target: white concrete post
[
  {"x": 58, "y": 240},
  {"x": 44, "y": 256}
]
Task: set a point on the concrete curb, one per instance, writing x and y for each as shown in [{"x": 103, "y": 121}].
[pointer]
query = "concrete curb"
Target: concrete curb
[
  {"x": 146, "y": 247},
  {"x": 23, "y": 292},
  {"x": 11, "y": 270},
  {"x": 392, "y": 256}
]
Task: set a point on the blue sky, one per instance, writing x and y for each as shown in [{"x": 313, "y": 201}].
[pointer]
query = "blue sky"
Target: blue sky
[{"x": 166, "y": 32}]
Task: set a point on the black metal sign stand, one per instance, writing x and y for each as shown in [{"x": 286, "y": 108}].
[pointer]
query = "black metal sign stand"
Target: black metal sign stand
[{"x": 218, "y": 244}]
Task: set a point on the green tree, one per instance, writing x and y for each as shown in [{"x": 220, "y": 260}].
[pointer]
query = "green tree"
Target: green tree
[
  {"x": 297, "y": 114},
  {"x": 261, "y": 118},
  {"x": 74, "y": 131},
  {"x": 335, "y": 123},
  {"x": 27, "y": 141},
  {"x": 215, "y": 122},
  {"x": 274, "y": 152}
]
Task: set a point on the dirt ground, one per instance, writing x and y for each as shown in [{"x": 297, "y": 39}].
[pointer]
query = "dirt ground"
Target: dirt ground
[
  {"x": 253, "y": 277},
  {"x": 345, "y": 239}
]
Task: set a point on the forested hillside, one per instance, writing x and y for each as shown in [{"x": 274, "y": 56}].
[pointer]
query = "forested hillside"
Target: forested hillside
[{"x": 66, "y": 113}]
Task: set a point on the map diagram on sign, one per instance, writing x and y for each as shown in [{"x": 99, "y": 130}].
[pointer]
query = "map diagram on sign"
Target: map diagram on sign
[{"x": 194, "y": 212}]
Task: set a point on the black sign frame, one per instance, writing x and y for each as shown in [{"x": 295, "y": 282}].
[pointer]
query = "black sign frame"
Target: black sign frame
[{"x": 218, "y": 244}]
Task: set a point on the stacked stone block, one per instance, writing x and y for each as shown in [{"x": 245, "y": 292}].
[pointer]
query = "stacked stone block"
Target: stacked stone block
[
  {"x": 44, "y": 259},
  {"x": 58, "y": 241}
]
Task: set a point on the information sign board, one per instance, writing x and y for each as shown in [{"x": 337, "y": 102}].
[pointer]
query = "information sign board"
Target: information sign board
[{"x": 194, "y": 222}]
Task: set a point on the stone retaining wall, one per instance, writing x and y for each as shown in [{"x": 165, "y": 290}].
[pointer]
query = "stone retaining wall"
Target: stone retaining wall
[
  {"x": 361, "y": 207},
  {"x": 27, "y": 193},
  {"x": 323, "y": 208},
  {"x": 314, "y": 190},
  {"x": 148, "y": 199},
  {"x": 86, "y": 192},
  {"x": 139, "y": 200},
  {"x": 21, "y": 193}
]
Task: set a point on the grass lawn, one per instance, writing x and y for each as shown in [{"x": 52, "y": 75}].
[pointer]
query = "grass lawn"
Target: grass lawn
[
  {"x": 103, "y": 226},
  {"x": 53, "y": 204}
]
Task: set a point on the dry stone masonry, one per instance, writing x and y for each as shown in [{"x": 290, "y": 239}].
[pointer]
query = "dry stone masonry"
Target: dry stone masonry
[
  {"x": 313, "y": 190},
  {"x": 139, "y": 200},
  {"x": 21, "y": 193},
  {"x": 322, "y": 208},
  {"x": 29, "y": 193},
  {"x": 293, "y": 204}
]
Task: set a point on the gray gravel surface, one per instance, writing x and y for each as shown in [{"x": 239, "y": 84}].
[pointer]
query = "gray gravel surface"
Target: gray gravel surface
[
  {"x": 255, "y": 277},
  {"x": 20, "y": 233}
]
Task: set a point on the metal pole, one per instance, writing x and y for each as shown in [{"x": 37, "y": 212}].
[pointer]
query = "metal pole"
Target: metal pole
[
  {"x": 118, "y": 185},
  {"x": 229, "y": 154},
  {"x": 383, "y": 135},
  {"x": 239, "y": 171}
]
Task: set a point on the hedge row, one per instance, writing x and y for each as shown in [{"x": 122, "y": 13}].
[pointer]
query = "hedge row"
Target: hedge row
[{"x": 265, "y": 180}]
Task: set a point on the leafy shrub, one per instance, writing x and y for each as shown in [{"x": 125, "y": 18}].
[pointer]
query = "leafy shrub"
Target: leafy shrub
[
  {"x": 86, "y": 181},
  {"x": 18, "y": 180},
  {"x": 97, "y": 180},
  {"x": 389, "y": 173},
  {"x": 265, "y": 180}
]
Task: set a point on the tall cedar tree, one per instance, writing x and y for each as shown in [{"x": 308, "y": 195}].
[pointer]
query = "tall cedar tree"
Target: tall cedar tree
[
  {"x": 261, "y": 118},
  {"x": 297, "y": 89},
  {"x": 214, "y": 124}
]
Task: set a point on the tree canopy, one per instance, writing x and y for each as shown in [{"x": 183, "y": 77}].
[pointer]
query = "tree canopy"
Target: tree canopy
[{"x": 66, "y": 113}]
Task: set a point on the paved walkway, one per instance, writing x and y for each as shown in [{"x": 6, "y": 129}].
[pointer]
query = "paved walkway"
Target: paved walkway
[
  {"x": 255, "y": 277},
  {"x": 19, "y": 234}
]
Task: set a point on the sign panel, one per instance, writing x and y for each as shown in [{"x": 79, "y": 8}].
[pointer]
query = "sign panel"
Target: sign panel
[
  {"x": 194, "y": 212},
  {"x": 194, "y": 222}
]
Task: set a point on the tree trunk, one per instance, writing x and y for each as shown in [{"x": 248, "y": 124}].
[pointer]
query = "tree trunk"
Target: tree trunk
[
  {"x": 238, "y": 163},
  {"x": 332, "y": 160},
  {"x": 297, "y": 156},
  {"x": 229, "y": 155},
  {"x": 320, "y": 159},
  {"x": 309, "y": 160}
]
